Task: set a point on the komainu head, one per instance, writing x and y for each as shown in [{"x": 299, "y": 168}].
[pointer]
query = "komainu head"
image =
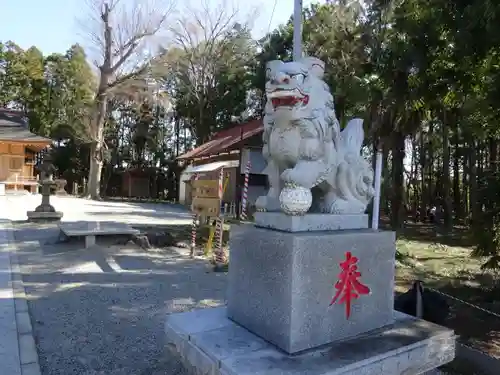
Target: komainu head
[{"x": 296, "y": 92}]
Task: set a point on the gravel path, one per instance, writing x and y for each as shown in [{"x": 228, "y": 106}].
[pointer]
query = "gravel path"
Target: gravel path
[{"x": 102, "y": 310}]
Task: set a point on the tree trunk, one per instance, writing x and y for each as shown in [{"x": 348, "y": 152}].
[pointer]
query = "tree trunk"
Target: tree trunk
[
  {"x": 397, "y": 203},
  {"x": 177, "y": 135},
  {"x": 466, "y": 180},
  {"x": 493, "y": 153},
  {"x": 202, "y": 129},
  {"x": 480, "y": 160},
  {"x": 457, "y": 205},
  {"x": 413, "y": 199},
  {"x": 423, "y": 164},
  {"x": 96, "y": 149},
  {"x": 448, "y": 215},
  {"x": 430, "y": 168},
  {"x": 95, "y": 172},
  {"x": 473, "y": 197},
  {"x": 100, "y": 111}
]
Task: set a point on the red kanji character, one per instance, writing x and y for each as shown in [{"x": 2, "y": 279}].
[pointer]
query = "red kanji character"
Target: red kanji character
[{"x": 348, "y": 284}]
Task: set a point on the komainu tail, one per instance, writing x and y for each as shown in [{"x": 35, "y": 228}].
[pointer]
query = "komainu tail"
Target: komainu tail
[{"x": 352, "y": 136}]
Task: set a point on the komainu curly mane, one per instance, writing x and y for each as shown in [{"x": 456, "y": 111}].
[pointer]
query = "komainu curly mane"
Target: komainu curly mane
[
  {"x": 315, "y": 117},
  {"x": 303, "y": 144}
]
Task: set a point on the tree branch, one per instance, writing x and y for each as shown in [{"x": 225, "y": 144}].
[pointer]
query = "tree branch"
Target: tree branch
[{"x": 128, "y": 77}]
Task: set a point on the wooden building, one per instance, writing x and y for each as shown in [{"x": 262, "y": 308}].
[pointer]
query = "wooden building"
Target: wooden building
[
  {"x": 18, "y": 148},
  {"x": 139, "y": 183},
  {"x": 229, "y": 149}
]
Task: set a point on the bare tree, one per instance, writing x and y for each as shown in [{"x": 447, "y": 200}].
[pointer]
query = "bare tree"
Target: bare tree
[
  {"x": 121, "y": 35},
  {"x": 203, "y": 44}
]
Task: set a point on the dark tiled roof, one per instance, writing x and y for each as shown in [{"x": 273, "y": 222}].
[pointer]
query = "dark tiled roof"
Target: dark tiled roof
[
  {"x": 225, "y": 139},
  {"x": 13, "y": 127},
  {"x": 11, "y": 118}
]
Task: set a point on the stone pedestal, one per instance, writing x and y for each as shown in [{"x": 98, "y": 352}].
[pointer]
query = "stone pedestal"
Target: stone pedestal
[
  {"x": 60, "y": 185},
  {"x": 309, "y": 222},
  {"x": 280, "y": 318},
  {"x": 45, "y": 211},
  {"x": 208, "y": 343},
  {"x": 283, "y": 283},
  {"x": 44, "y": 216}
]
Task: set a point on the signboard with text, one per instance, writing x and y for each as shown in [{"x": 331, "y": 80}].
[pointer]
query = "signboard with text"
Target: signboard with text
[
  {"x": 206, "y": 199},
  {"x": 206, "y": 188},
  {"x": 208, "y": 207}
]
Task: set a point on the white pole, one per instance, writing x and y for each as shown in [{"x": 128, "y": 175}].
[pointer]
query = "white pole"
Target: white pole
[
  {"x": 376, "y": 198},
  {"x": 297, "y": 30}
]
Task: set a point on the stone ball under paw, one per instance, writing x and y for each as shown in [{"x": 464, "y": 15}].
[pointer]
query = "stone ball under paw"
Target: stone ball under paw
[{"x": 295, "y": 200}]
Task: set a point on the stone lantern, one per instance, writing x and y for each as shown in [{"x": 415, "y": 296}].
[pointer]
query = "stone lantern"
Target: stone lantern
[{"x": 45, "y": 211}]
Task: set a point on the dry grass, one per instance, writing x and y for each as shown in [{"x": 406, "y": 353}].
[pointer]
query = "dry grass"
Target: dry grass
[
  {"x": 437, "y": 263},
  {"x": 182, "y": 234},
  {"x": 444, "y": 263}
]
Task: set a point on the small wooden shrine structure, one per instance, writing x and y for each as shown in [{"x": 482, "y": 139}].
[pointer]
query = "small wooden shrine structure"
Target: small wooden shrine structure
[{"x": 18, "y": 150}]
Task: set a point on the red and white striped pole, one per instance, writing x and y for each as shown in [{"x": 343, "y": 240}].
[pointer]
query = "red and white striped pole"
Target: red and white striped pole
[
  {"x": 221, "y": 184},
  {"x": 219, "y": 254},
  {"x": 244, "y": 194},
  {"x": 195, "y": 224}
]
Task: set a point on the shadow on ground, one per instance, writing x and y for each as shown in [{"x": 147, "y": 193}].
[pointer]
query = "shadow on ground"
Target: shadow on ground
[
  {"x": 431, "y": 233},
  {"x": 166, "y": 215},
  {"x": 475, "y": 309},
  {"x": 102, "y": 310}
]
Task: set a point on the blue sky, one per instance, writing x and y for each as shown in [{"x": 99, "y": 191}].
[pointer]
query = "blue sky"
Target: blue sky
[{"x": 50, "y": 24}]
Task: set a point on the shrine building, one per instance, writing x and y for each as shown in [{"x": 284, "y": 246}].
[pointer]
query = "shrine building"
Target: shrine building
[
  {"x": 18, "y": 150},
  {"x": 230, "y": 149}
]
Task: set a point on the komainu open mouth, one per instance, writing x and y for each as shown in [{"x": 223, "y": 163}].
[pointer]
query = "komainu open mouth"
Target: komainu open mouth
[{"x": 289, "y": 101}]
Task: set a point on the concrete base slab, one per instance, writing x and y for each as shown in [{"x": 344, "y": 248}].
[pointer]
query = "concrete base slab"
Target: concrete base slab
[
  {"x": 36, "y": 216},
  {"x": 209, "y": 343},
  {"x": 309, "y": 222}
]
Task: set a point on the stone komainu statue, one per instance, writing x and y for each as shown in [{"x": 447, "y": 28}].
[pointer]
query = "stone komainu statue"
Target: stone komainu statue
[{"x": 304, "y": 146}]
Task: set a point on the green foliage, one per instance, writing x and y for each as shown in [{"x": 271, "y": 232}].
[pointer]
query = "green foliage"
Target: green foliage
[
  {"x": 55, "y": 92},
  {"x": 425, "y": 72},
  {"x": 487, "y": 228},
  {"x": 209, "y": 81}
]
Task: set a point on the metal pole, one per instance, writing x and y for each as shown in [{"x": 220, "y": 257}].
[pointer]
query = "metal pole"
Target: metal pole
[
  {"x": 378, "y": 182},
  {"x": 297, "y": 29}
]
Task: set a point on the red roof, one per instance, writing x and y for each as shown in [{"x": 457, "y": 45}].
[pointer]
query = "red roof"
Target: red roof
[{"x": 223, "y": 140}]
